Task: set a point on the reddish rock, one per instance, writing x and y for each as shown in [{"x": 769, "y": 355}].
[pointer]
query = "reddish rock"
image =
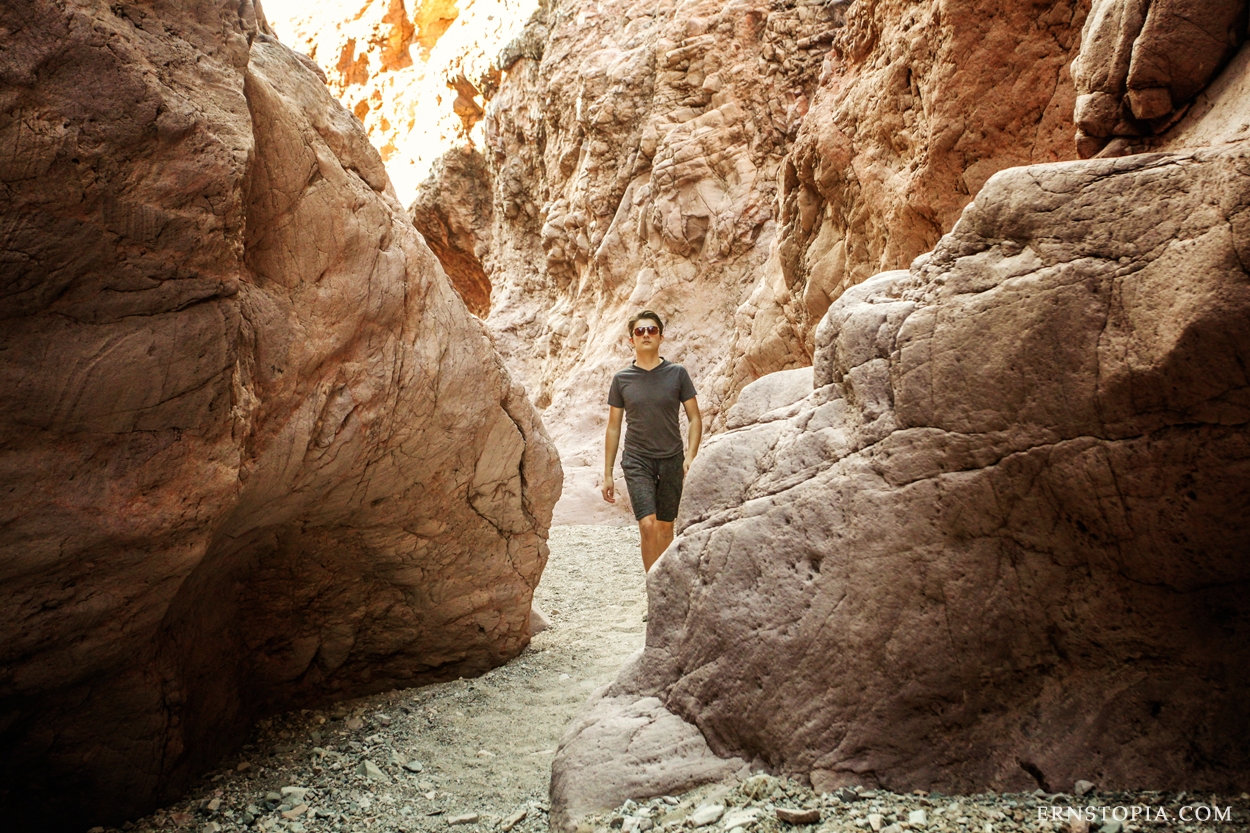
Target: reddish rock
[
  {"x": 256, "y": 452},
  {"x": 417, "y": 73},
  {"x": 453, "y": 213},
  {"x": 1001, "y": 542}
]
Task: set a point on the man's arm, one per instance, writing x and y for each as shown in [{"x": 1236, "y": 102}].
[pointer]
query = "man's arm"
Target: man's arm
[
  {"x": 696, "y": 430},
  {"x": 610, "y": 441}
]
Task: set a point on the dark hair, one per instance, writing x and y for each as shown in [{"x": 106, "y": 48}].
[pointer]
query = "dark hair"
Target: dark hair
[{"x": 646, "y": 313}]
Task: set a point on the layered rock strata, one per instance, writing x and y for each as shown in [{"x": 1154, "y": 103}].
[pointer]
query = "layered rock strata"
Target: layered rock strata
[
  {"x": 256, "y": 452},
  {"x": 999, "y": 542},
  {"x": 736, "y": 167}
]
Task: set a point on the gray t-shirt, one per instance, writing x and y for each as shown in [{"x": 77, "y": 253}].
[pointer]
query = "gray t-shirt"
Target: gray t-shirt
[{"x": 651, "y": 399}]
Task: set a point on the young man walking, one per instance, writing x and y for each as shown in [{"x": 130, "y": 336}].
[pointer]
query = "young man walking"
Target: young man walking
[{"x": 649, "y": 393}]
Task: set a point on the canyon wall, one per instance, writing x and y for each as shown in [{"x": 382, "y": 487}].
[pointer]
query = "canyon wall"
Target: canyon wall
[
  {"x": 256, "y": 451},
  {"x": 417, "y": 73},
  {"x": 995, "y": 538},
  {"x": 736, "y": 167}
]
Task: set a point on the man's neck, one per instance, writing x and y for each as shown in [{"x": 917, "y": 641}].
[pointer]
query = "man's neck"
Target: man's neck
[{"x": 647, "y": 361}]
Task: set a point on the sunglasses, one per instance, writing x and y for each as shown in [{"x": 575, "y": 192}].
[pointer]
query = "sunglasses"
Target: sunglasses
[{"x": 646, "y": 331}]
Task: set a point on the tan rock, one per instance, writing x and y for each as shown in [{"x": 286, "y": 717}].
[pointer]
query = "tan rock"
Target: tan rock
[
  {"x": 1021, "y": 473},
  {"x": 256, "y": 451},
  {"x": 1142, "y": 62}
]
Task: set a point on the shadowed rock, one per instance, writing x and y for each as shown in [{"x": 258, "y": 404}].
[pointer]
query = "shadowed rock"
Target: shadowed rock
[
  {"x": 256, "y": 452},
  {"x": 453, "y": 213}
]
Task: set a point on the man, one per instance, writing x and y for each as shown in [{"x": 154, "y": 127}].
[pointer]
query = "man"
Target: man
[{"x": 649, "y": 394}]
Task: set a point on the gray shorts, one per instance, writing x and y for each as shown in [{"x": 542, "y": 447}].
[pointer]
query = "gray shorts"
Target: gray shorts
[{"x": 654, "y": 484}]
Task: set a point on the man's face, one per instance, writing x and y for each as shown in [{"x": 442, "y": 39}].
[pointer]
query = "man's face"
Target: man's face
[{"x": 645, "y": 339}]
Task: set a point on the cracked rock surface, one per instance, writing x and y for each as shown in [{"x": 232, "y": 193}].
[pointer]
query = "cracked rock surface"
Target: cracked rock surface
[{"x": 256, "y": 452}]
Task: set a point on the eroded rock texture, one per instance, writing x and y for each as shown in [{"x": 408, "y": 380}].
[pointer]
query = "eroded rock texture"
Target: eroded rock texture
[
  {"x": 1000, "y": 541},
  {"x": 736, "y": 166},
  {"x": 256, "y": 453}
]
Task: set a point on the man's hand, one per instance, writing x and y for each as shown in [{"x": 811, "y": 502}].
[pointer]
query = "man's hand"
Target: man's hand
[
  {"x": 685, "y": 466},
  {"x": 609, "y": 490}
]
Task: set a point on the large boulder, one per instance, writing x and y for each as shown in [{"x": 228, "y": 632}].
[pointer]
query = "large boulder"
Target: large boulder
[
  {"x": 256, "y": 453},
  {"x": 1001, "y": 542}
]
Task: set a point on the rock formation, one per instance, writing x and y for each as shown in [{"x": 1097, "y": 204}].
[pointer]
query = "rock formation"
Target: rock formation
[
  {"x": 1142, "y": 63},
  {"x": 453, "y": 212},
  {"x": 256, "y": 452},
  {"x": 736, "y": 166},
  {"x": 999, "y": 541}
]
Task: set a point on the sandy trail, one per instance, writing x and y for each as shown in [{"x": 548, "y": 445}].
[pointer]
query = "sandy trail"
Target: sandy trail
[{"x": 443, "y": 752}]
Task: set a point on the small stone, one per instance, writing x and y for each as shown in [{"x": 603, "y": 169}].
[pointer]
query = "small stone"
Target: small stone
[
  {"x": 214, "y": 805},
  {"x": 1078, "y": 825},
  {"x": 372, "y": 771},
  {"x": 211, "y": 827},
  {"x": 847, "y": 794},
  {"x": 759, "y": 786},
  {"x": 243, "y": 766},
  {"x": 1113, "y": 826},
  {"x": 893, "y": 828},
  {"x": 355, "y": 724},
  {"x": 513, "y": 820},
  {"x": 792, "y": 816},
  {"x": 464, "y": 818},
  {"x": 1082, "y": 788},
  {"x": 917, "y": 818},
  {"x": 706, "y": 814},
  {"x": 385, "y": 719},
  {"x": 414, "y": 766},
  {"x": 486, "y": 753},
  {"x": 295, "y": 812},
  {"x": 876, "y": 821},
  {"x": 989, "y": 828},
  {"x": 740, "y": 817},
  {"x": 671, "y": 800},
  {"x": 296, "y": 794}
]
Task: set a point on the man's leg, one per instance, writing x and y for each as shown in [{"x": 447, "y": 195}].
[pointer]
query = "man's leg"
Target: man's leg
[
  {"x": 663, "y": 536},
  {"x": 649, "y": 530}
]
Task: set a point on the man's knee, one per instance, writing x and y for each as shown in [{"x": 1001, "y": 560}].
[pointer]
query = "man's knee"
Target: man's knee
[{"x": 648, "y": 525}]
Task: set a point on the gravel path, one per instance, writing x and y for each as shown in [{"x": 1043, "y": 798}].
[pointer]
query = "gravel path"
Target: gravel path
[
  {"x": 420, "y": 759},
  {"x": 474, "y": 756}
]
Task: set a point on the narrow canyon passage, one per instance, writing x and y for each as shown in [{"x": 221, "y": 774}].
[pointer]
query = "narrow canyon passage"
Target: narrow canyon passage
[{"x": 475, "y": 751}]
